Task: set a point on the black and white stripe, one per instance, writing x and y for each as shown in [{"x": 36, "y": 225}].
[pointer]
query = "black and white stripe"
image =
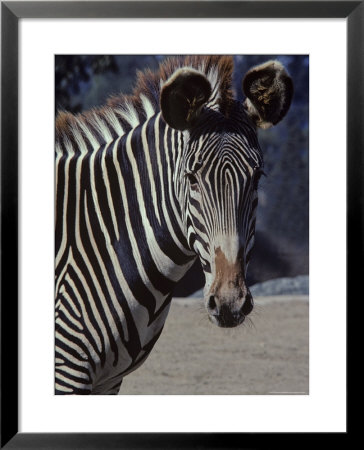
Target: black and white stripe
[{"x": 120, "y": 248}]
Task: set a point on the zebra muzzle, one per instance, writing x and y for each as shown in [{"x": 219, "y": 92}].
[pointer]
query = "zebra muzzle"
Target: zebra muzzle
[
  {"x": 228, "y": 300},
  {"x": 229, "y": 311}
]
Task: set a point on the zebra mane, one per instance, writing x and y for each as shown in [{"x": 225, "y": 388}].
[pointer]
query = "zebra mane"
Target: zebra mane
[{"x": 125, "y": 112}]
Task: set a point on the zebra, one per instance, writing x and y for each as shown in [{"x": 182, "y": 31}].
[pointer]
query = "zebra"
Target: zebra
[{"x": 145, "y": 185}]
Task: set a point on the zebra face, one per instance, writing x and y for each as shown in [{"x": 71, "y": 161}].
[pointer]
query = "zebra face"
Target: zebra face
[
  {"x": 220, "y": 184},
  {"x": 218, "y": 174}
]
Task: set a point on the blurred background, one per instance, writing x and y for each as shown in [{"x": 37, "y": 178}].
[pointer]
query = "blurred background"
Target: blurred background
[{"x": 280, "y": 259}]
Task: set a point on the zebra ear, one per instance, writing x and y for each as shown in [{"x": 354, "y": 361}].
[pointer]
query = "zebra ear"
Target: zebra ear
[
  {"x": 182, "y": 97},
  {"x": 269, "y": 91}
]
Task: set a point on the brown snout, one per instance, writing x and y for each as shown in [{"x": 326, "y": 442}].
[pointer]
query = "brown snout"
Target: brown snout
[{"x": 229, "y": 300}]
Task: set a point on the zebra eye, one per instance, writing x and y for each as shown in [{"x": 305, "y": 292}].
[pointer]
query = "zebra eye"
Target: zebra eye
[{"x": 192, "y": 179}]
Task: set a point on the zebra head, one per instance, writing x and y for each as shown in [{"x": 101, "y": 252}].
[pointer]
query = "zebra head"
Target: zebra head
[{"x": 217, "y": 177}]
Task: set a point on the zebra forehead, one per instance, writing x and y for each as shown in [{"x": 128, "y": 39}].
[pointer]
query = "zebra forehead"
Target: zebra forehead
[{"x": 228, "y": 150}]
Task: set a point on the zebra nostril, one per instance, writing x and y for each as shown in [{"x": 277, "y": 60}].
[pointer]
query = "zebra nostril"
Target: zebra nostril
[
  {"x": 211, "y": 304},
  {"x": 248, "y": 305}
]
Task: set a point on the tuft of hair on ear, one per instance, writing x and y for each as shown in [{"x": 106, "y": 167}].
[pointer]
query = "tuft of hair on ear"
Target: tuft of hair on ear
[
  {"x": 269, "y": 92},
  {"x": 183, "y": 96}
]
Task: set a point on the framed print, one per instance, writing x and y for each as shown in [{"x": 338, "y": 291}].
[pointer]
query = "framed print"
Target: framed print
[{"x": 38, "y": 39}]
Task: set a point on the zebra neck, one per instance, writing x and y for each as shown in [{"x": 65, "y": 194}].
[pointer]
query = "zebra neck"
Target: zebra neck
[{"x": 146, "y": 160}]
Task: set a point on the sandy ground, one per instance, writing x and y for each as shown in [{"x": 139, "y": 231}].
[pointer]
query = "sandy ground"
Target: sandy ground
[{"x": 267, "y": 355}]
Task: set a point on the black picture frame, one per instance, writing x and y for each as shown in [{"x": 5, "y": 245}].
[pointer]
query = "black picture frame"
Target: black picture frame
[{"x": 11, "y": 12}]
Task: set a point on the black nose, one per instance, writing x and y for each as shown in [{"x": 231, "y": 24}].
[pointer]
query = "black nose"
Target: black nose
[
  {"x": 224, "y": 310},
  {"x": 226, "y": 316},
  {"x": 223, "y": 314}
]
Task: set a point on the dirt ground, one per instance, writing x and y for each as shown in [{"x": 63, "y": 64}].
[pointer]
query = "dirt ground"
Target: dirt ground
[{"x": 267, "y": 355}]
